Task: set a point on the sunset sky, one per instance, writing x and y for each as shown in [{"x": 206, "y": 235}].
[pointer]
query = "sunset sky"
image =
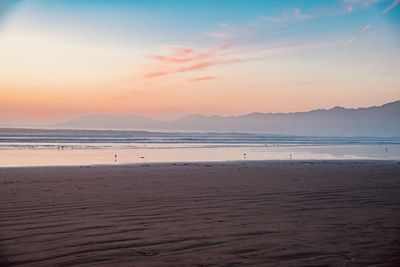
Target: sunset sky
[{"x": 164, "y": 59}]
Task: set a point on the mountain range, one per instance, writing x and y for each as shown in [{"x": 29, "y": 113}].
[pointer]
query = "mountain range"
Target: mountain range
[{"x": 380, "y": 121}]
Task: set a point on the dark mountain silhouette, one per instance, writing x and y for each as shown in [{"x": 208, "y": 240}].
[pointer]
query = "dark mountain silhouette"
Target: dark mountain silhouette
[{"x": 372, "y": 121}]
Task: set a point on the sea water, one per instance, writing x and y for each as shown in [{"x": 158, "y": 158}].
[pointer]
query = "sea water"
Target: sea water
[{"x": 54, "y": 148}]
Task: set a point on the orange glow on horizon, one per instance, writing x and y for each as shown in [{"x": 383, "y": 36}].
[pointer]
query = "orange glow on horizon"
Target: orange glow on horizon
[{"x": 51, "y": 74}]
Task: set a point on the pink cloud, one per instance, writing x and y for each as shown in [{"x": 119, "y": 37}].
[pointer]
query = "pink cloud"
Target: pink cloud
[
  {"x": 204, "y": 78},
  {"x": 170, "y": 59},
  {"x": 180, "y": 50},
  {"x": 239, "y": 44},
  {"x": 189, "y": 59},
  {"x": 193, "y": 67},
  {"x": 180, "y": 59},
  {"x": 179, "y": 54}
]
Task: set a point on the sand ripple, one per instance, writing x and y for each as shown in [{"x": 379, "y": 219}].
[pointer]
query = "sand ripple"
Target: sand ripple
[{"x": 232, "y": 214}]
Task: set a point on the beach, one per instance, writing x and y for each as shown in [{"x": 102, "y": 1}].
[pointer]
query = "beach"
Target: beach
[{"x": 242, "y": 213}]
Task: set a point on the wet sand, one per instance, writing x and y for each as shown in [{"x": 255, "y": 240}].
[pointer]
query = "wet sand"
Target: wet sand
[{"x": 276, "y": 213}]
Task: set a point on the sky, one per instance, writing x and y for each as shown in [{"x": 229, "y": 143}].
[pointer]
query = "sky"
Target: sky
[{"x": 164, "y": 59}]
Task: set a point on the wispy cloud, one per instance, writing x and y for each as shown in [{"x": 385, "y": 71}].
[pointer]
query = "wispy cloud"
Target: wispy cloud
[
  {"x": 368, "y": 26},
  {"x": 353, "y": 5},
  {"x": 260, "y": 28},
  {"x": 358, "y": 33},
  {"x": 290, "y": 16},
  {"x": 250, "y": 41},
  {"x": 191, "y": 67},
  {"x": 180, "y": 59},
  {"x": 390, "y": 7},
  {"x": 238, "y": 44},
  {"x": 181, "y": 54},
  {"x": 203, "y": 78}
]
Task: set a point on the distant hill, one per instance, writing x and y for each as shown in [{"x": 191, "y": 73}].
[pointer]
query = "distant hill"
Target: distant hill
[{"x": 381, "y": 121}]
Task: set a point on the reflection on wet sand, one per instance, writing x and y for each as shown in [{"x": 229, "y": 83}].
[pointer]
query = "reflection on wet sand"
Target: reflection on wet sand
[{"x": 65, "y": 155}]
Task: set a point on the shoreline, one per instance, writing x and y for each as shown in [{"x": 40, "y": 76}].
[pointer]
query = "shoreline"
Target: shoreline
[{"x": 143, "y": 155}]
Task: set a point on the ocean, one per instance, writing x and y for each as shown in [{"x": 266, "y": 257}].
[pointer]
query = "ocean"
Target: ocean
[{"x": 35, "y": 147}]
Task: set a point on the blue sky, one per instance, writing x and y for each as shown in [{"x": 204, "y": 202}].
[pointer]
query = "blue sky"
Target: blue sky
[
  {"x": 188, "y": 21},
  {"x": 171, "y": 58}
]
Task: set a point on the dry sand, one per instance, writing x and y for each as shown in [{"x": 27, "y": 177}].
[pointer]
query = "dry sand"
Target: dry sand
[{"x": 333, "y": 213}]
